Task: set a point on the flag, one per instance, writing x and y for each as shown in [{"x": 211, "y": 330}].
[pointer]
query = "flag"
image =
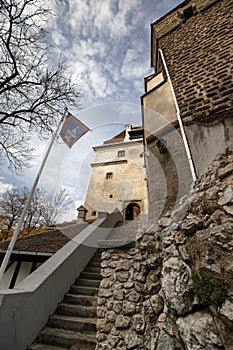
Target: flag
[{"x": 72, "y": 130}]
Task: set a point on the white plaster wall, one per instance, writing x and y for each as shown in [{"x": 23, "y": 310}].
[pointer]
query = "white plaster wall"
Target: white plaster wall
[
  {"x": 6, "y": 278},
  {"x": 23, "y": 272},
  {"x": 127, "y": 184},
  {"x": 205, "y": 143},
  {"x": 41, "y": 291}
]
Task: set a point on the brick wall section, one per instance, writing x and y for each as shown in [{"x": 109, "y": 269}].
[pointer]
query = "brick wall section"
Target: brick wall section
[{"x": 198, "y": 53}]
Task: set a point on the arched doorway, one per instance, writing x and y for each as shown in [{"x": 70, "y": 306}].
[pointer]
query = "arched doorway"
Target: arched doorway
[{"x": 132, "y": 211}]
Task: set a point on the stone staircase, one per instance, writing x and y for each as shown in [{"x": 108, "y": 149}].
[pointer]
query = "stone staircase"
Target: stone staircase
[
  {"x": 73, "y": 325},
  {"x": 124, "y": 233}
]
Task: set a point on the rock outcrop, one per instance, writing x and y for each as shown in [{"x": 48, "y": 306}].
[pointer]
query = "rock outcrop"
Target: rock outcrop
[{"x": 173, "y": 289}]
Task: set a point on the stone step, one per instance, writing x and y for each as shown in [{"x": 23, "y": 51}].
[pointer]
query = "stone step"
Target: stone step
[
  {"x": 92, "y": 269},
  {"x": 84, "y": 300},
  {"x": 95, "y": 260},
  {"x": 73, "y": 325},
  {"x": 80, "y": 324},
  {"x": 65, "y": 339},
  {"x": 87, "y": 282},
  {"x": 76, "y": 310},
  {"x": 83, "y": 290},
  {"x": 94, "y": 264},
  {"x": 116, "y": 243},
  {"x": 36, "y": 346},
  {"x": 90, "y": 275}
]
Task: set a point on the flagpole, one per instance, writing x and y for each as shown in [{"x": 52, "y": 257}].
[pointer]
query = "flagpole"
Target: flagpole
[{"x": 27, "y": 204}]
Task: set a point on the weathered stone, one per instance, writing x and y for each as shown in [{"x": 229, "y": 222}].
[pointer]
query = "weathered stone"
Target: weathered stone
[
  {"x": 104, "y": 283},
  {"x": 131, "y": 341},
  {"x": 113, "y": 341},
  {"x": 101, "y": 311},
  {"x": 122, "y": 322},
  {"x": 149, "y": 311},
  {"x": 104, "y": 346},
  {"x": 105, "y": 255},
  {"x": 164, "y": 221},
  {"x": 228, "y": 209},
  {"x": 133, "y": 296},
  {"x": 139, "y": 287},
  {"x": 101, "y": 336},
  {"x": 133, "y": 251},
  {"x": 128, "y": 284},
  {"x": 115, "y": 332},
  {"x": 165, "y": 341},
  {"x": 128, "y": 308},
  {"x": 184, "y": 253},
  {"x": 105, "y": 293},
  {"x": 106, "y": 272},
  {"x": 177, "y": 285},
  {"x": 137, "y": 266},
  {"x": 139, "y": 323},
  {"x": 101, "y": 301},
  {"x": 198, "y": 331},
  {"x": 117, "y": 306},
  {"x": 157, "y": 304},
  {"x": 227, "y": 196},
  {"x": 140, "y": 277},
  {"x": 227, "y": 310},
  {"x": 122, "y": 276},
  {"x": 123, "y": 265},
  {"x": 118, "y": 294},
  {"x": 111, "y": 316},
  {"x": 191, "y": 224},
  {"x": 180, "y": 237},
  {"x": 103, "y": 325},
  {"x": 227, "y": 170}
]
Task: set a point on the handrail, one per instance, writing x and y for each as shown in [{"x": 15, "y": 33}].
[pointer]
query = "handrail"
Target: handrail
[{"x": 184, "y": 137}]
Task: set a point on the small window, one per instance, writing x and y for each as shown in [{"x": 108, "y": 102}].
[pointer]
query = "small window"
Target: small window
[
  {"x": 121, "y": 153},
  {"x": 93, "y": 213},
  {"x": 110, "y": 196},
  {"x": 188, "y": 12},
  {"x": 109, "y": 176}
]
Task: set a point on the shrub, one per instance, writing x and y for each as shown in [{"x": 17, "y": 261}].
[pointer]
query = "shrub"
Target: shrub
[{"x": 210, "y": 289}]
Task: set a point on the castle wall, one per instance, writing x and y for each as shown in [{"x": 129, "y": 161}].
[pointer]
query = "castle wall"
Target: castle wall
[
  {"x": 128, "y": 182},
  {"x": 196, "y": 40},
  {"x": 198, "y": 53}
]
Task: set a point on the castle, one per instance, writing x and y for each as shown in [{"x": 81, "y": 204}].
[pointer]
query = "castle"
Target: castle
[
  {"x": 191, "y": 54},
  {"x": 151, "y": 294},
  {"x": 118, "y": 179}
]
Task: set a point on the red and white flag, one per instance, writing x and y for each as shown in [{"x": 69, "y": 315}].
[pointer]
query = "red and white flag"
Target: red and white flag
[{"x": 72, "y": 130}]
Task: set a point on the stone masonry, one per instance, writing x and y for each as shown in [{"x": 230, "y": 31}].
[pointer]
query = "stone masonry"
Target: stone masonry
[
  {"x": 198, "y": 52},
  {"x": 173, "y": 288}
]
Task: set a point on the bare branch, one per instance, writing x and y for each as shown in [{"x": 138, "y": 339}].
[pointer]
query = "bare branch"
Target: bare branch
[{"x": 33, "y": 94}]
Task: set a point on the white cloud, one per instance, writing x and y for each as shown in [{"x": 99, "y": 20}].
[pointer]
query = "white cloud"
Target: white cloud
[
  {"x": 3, "y": 185},
  {"x": 107, "y": 44}
]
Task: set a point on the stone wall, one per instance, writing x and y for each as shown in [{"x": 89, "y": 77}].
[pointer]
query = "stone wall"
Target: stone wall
[
  {"x": 169, "y": 176},
  {"x": 198, "y": 52},
  {"x": 173, "y": 288}
]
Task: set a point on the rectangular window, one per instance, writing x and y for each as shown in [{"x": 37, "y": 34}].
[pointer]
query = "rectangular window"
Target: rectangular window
[
  {"x": 121, "y": 153},
  {"x": 93, "y": 213},
  {"x": 109, "y": 176}
]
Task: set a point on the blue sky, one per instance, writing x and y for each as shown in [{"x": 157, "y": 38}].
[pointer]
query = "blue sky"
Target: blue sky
[{"x": 107, "y": 46}]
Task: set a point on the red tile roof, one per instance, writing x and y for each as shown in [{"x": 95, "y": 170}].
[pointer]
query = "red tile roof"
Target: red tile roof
[
  {"x": 49, "y": 241},
  {"x": 121, "y": 136}
]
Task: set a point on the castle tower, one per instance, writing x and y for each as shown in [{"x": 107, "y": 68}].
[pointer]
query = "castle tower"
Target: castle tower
[
  {"x": 195, "y": 40},
  {"x": 118, "y": 179}
]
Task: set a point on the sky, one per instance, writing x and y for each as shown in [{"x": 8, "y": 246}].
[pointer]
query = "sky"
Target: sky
[{"x": 107, "y": 44}]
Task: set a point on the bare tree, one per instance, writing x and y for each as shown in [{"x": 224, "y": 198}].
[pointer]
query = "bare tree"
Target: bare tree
[
  {"x": 54, "y": 205},
  {"x": 33, "y": 93},
  {"x": 45, "y": 208}
]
